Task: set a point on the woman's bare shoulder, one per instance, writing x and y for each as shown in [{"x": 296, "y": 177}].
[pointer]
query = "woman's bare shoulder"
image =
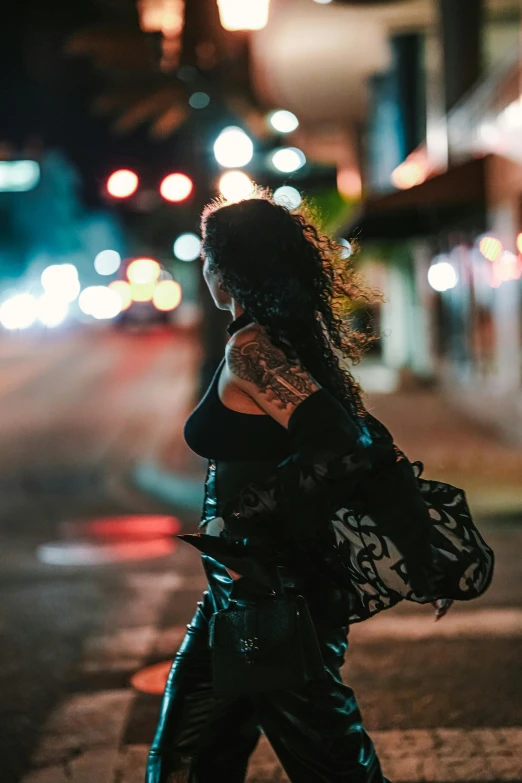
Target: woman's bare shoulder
[{"x": 263, "y": 371}]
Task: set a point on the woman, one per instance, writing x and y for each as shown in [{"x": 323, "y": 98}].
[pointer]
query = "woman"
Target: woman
[{"x": 283, "y": 426}]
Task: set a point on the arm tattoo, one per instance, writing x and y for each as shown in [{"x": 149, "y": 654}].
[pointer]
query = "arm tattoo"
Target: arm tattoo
[{"x": 266, "y": 366}]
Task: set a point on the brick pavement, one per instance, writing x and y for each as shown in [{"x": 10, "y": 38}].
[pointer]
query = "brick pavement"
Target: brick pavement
[{"x": 101, "y": 735}]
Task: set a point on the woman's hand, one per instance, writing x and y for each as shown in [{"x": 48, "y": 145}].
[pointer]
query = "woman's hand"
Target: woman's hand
[
  {"x": 442, "y": 606},
  {"x": 215, "y": 527}
]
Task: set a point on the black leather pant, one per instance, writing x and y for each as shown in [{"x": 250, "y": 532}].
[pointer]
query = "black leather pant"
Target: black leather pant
[{"x": 316, "y": 732}]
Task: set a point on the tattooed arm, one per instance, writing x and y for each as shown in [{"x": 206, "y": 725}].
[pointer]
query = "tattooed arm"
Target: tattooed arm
[{"x": 263, "y": 371}]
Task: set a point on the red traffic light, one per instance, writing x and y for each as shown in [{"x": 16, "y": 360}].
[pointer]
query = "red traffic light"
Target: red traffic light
[{"x": 176, "y": 187}]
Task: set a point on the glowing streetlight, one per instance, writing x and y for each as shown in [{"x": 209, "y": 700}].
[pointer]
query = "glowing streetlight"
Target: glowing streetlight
[
  {"x": 243, "y": 14},
  {"x": 288, "y": 197},
  {"x": 442, "y": 276},
  {"x": 187, "y": 247},
  {"x": 283, "y": 121},
  {"x": 176, "y": 187},
  {"x": 233, "y": 148},
  {"x": 107, "y": 262},
  {"x": 235, "y": 186},
  {"x": 122, "y": 183},
  {"x": 288, "y": 159}
]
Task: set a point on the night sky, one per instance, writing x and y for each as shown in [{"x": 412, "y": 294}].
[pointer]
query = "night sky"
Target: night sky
[{"x": 46, "y": 95}]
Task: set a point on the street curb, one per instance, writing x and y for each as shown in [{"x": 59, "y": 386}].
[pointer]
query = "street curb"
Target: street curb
[{"x": 184, "y": 492}]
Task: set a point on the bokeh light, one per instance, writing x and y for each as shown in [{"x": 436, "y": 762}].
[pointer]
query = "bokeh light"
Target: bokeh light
[
  {"x": 167, "y": 295},
  {"x": 122, "y": 183},
  {"x": 491, "y": 248},
  {"x": 442, "y": 276},
  {"x": 51, "y": 310},
  {"x": 323, "y": 2},
  {"x": 142, "y": 292},
  {"x": 233, "y": 147},
  {"x": 288, "y": 159},
  {"x": 187, "y": 247},
  {"x": 18, "y": 312},
  {"x": 408, "y": 174},
  {"x": 283, "y": 121},
  {"x": 17, "y": 176},
  {"x": 107, "y": 262},
  {"x": 61, "y": 280},
  {"x": 199, "y": 100},
  {"x": 243, "y": 14},
  {"x": 123, "y": 290},
  {"x": 349, "y": 183},
  {"x": 142, "y": 271},
  {"x": 100, "y": 301},
  {"x": 519, "y": 243},
  {"x": 346, "y": 248},
  {"x": 235, "y": 186},
  {"x": 176, "y": 187},
  {"x": 288, "y": 197}
]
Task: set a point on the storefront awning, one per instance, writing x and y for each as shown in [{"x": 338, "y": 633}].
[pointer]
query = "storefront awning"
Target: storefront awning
[{"x": 454, "y": 200}]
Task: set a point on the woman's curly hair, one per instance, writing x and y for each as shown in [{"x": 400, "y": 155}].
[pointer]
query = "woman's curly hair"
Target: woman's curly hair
[{"x": 293, "y": 280}]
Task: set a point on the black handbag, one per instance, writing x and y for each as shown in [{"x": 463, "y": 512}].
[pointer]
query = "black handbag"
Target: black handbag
[
  {"x": 265, "y": 645},
  {"x": 377, "y": 572}
]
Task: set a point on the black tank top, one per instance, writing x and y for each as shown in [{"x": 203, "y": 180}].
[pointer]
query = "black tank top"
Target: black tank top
[{"x": 216, "y": 432}]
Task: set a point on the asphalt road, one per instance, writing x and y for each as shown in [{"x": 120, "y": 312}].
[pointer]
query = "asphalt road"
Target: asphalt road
[{"x": 83, "y": 610}]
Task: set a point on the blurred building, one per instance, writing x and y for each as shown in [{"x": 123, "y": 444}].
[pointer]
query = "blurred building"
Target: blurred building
[{"x": 441, "y": 222}]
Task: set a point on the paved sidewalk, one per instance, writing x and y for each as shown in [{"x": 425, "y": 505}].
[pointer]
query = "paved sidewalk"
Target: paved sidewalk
[{"x": 103, "y": 735}]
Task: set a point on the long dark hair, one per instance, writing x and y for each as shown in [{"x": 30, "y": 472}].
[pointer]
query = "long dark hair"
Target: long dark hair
[{"x": 293, "y": 280}]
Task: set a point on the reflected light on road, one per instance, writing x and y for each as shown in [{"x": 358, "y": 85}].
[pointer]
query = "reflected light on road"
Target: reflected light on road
[
  {"x": 85, "y": 553},
  {"x": 152, "y": 679},
  {"x": 128, "y": 527}
]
